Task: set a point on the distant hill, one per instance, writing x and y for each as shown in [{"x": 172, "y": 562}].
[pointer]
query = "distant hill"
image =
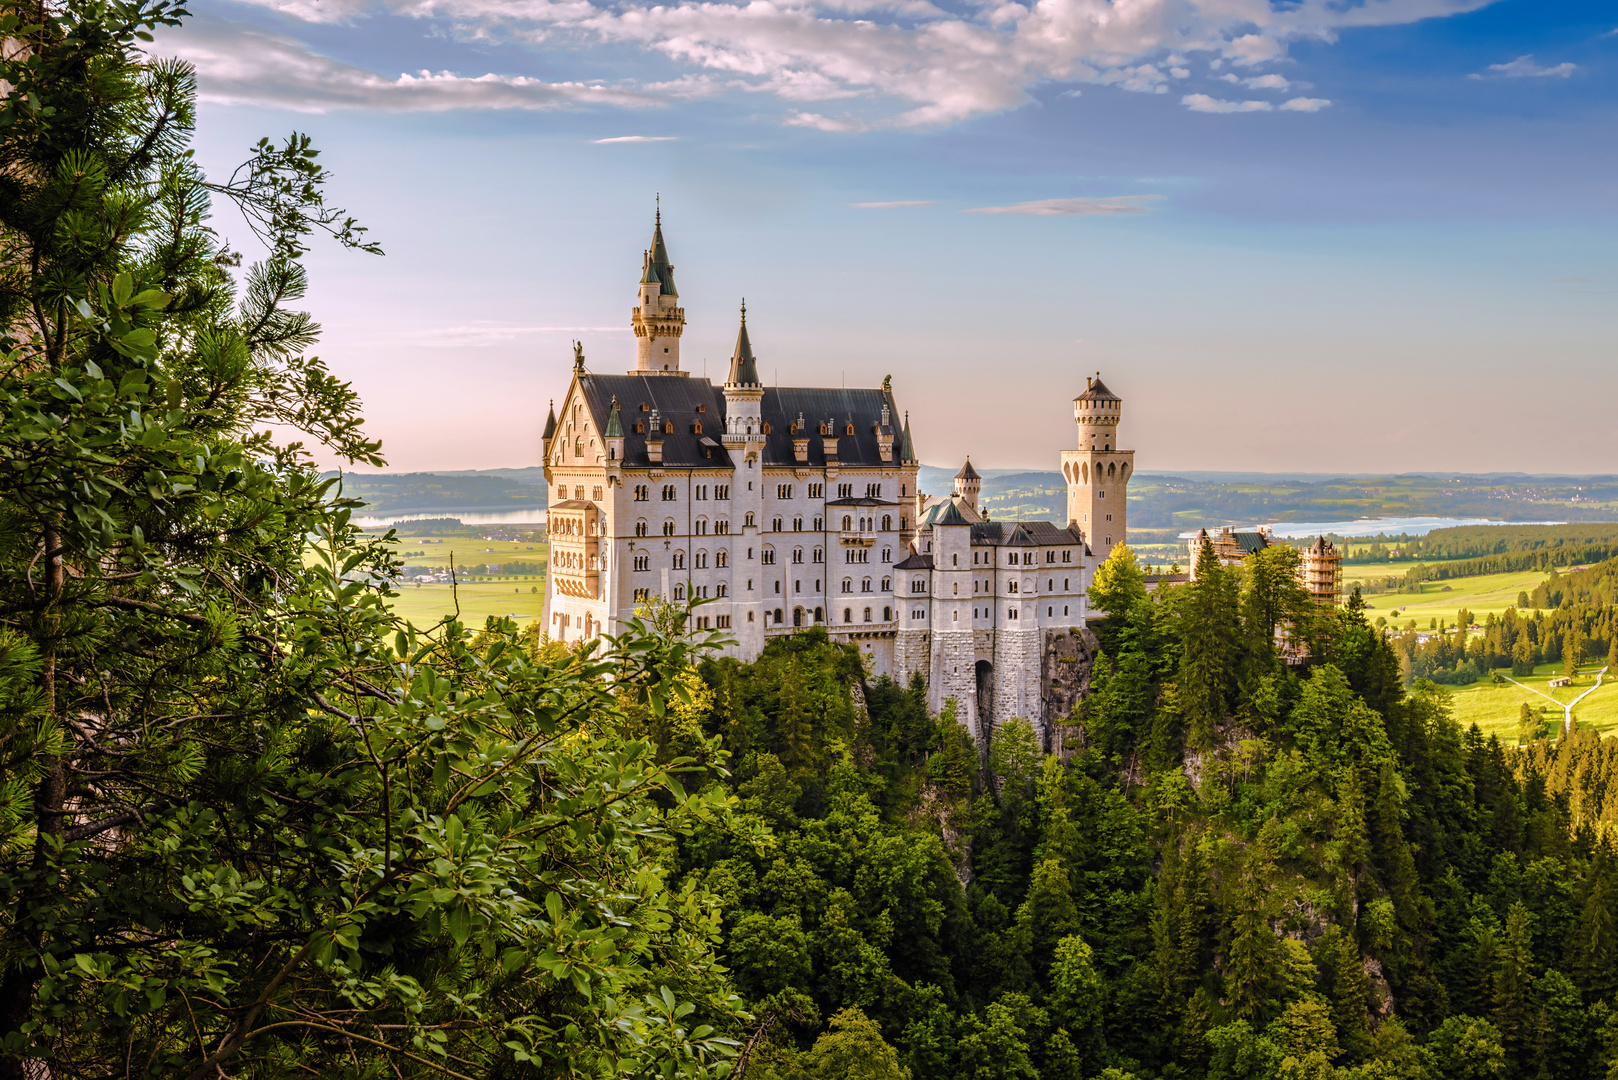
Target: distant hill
[
  {"x": 485, "y": 490},
  {"x": 1156, "y": 500}
]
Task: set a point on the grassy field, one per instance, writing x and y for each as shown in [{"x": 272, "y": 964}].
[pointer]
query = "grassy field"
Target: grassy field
[
  {"x": 436, "y": 550},
  {"x": 426, "y": 604},
  {"x": 1489, "y": 592},
  {"x": 1495, "y": 709},
  {"x": 520, "y": 596}
]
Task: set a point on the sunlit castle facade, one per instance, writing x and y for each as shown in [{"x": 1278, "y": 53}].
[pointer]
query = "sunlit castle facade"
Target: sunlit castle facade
[{"x": 794, "y": 507}]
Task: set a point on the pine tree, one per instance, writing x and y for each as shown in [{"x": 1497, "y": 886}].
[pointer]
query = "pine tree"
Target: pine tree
[
  {"x": 1250, "y": 974},
  {"x": 1528, "y": 724},
  {"x": 1348, "y": 1000},
  {"x": 1513, "y": 981},
  {"x": 1210, "y": 631}
]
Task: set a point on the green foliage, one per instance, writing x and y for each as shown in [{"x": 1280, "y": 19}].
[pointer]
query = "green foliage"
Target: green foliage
[{"x": 251, "y": 825}]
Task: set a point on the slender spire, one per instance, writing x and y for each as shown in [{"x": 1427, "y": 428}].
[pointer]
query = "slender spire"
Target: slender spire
[
  {"x": 659, "y": 261},
  {"x": 743, "y": 367},
  {"x": 615, "y": 429},
  {"x": 907, "y": 452},
  {"x": 550, "y": 422}
]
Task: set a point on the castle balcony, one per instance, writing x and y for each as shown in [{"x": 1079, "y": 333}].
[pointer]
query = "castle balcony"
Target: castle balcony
[{"x": 857, "y": 537}]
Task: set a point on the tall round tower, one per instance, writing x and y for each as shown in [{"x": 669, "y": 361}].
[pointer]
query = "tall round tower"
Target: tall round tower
[{"x": 1098, "y": 472}]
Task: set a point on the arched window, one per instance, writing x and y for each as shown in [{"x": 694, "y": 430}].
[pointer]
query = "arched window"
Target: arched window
[
  {"x": 668, "y": 528},
  {"x": 797, "y": 555},
  {"x": 819, "y": 555},
  {"x": 818, "y": 615},
  {"x": 887, "y": 613},
  {"x": 679, "y": 592},
  {"x": 747, "y": 522},
  {"x": 848, "y": 615},
  {"x": 848, "y": 585},
  {"x": 775, "y": 525},
  {"x": 1086, "y": 471},
  {"x": 887, "y": 522},
  {"x": 865, "y": 585},
  {"x": 702, "y": 560},
  {"x": 702, "y": 526},
  {"x": 679, "y": 560},
  {"x": 1112, "y": 471},
  {"x": 767, "y": 556},
  {"x": 848, "y": 523},
  {"x": 867, "y": 614},
  {"x": 778, "y": 619},
  {"x": 887, "y": 584},
  {"x": 640, "y": 528},
  {"x": 721, "y": 589},
  {"x": 819, "y": 524},
  {"x": 721, "y": 557},
  {"x": 578, "y": 448},
  {"x": 797, "y": 524}
]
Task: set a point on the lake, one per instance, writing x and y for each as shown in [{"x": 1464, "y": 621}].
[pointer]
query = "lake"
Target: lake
[{"x": 1393, "y": 526}]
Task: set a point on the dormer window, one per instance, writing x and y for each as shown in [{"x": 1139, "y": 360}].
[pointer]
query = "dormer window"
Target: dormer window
[
  {"x": 696, "y": 428},
  {"x": 640, "y": 427},
  {"x": 702, "y": 408},
  {"x": 668, "y": 427},
  {"x": 644, "y": 407},
  {"x": 766, "y": 427},
  {"x": 849, "y": 430}
]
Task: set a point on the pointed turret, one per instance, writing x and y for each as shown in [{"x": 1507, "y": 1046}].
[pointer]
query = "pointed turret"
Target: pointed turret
[
  {"x": 968, "y": 484},
  {"x": 907, "y": 453},
  {"x": 615, "y": 430},
  {"x": 658, "y": 263},
  {"x": 743, "y": 368},
  {"x": 550, "y": 423}
]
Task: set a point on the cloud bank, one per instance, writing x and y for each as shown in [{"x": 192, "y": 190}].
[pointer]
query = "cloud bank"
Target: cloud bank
[
  {"x": 240, "y": 65},
  {"x": 894, "y": 63},
  {"x": 1526, "y": 67}
]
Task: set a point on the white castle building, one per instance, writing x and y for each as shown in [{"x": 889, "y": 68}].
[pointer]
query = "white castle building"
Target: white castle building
[{"x": 793, "y": 507}]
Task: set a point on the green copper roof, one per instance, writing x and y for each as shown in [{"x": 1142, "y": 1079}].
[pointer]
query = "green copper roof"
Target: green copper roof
[
  {"x": 615, "y": 430},
  {"x": 650, "y": 276},
  {"x": 907, "y": 449},
  {"x": 950, "y": 514},
  {"x": 659, "y": 263},
  {"x": 743, "y": 368}
]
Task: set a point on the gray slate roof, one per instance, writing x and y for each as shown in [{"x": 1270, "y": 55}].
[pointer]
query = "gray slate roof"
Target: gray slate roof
[
  {"x": 914, "y": 561},
  {"x": 1098, "y": 391},
  {"x": 1024, "y": 534},
  {"x": 676, "y": 399}
]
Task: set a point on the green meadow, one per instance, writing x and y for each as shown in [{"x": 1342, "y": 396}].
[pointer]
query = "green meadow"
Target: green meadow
[
  {"x": 426, "y": 604},
  {"x": 1442, "y": 599},
  {"x": 1495, "y": 708}
]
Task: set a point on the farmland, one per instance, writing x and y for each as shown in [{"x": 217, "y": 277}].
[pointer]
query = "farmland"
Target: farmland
[{"x": 1494, "y": 708}]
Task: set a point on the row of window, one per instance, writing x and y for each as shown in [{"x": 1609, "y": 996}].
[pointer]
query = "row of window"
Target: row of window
[
  {"x": 1011, "y": 613},
  {"x": 721, "y": 492},
  {"x": 578, "y": 492}
]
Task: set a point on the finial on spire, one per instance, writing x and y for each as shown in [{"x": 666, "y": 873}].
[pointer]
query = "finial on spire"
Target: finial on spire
[
  {"x": 744, "y": 311},
  {"x": 659, "y": 215}
]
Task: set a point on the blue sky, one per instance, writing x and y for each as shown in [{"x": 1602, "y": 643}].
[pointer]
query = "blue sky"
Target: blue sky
[{"x": 1295, "y": 236}]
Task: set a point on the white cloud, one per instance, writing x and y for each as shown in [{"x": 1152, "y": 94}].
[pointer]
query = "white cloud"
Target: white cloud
[
  {"x": 634, "y": 139},
  {"x": 891, "y": 205},
  {"x": 795, "y": 118},
  {"x": 241, "y": 65},
  {"x": 906, "y": 63},
  {"x": 1259, "y": 82},
  {"x": 1204, "y": 103},
  {"x": 1525, "y": 67},
  {"x": 1305, "y": 104},
  {"x": 1080, "y": 207}
]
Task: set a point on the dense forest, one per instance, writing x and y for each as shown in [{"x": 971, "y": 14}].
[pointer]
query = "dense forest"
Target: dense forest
[{"x": 1230, "y": 868}]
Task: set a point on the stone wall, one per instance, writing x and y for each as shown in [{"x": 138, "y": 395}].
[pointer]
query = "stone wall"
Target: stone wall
[{"x": 1065, "y": 668}]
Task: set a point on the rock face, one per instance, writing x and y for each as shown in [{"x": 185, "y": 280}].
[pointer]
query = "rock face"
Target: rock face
[{"x": 1065, "y": 666}]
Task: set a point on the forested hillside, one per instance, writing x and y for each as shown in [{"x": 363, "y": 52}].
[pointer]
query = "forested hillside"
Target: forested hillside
[{"x": 1244, "y": 870}]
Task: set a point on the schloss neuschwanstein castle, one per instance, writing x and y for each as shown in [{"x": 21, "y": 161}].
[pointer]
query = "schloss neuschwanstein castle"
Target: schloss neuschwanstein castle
[{"x": 793, "y": 507}]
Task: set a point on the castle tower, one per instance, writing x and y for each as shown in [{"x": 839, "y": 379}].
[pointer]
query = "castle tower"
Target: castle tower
[
  {"x": 743, "y": 439},
  {"x": 658, "y": 319},
  {"x": 1097, "y": 473},
  {"x": 968, "y": 483}
]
